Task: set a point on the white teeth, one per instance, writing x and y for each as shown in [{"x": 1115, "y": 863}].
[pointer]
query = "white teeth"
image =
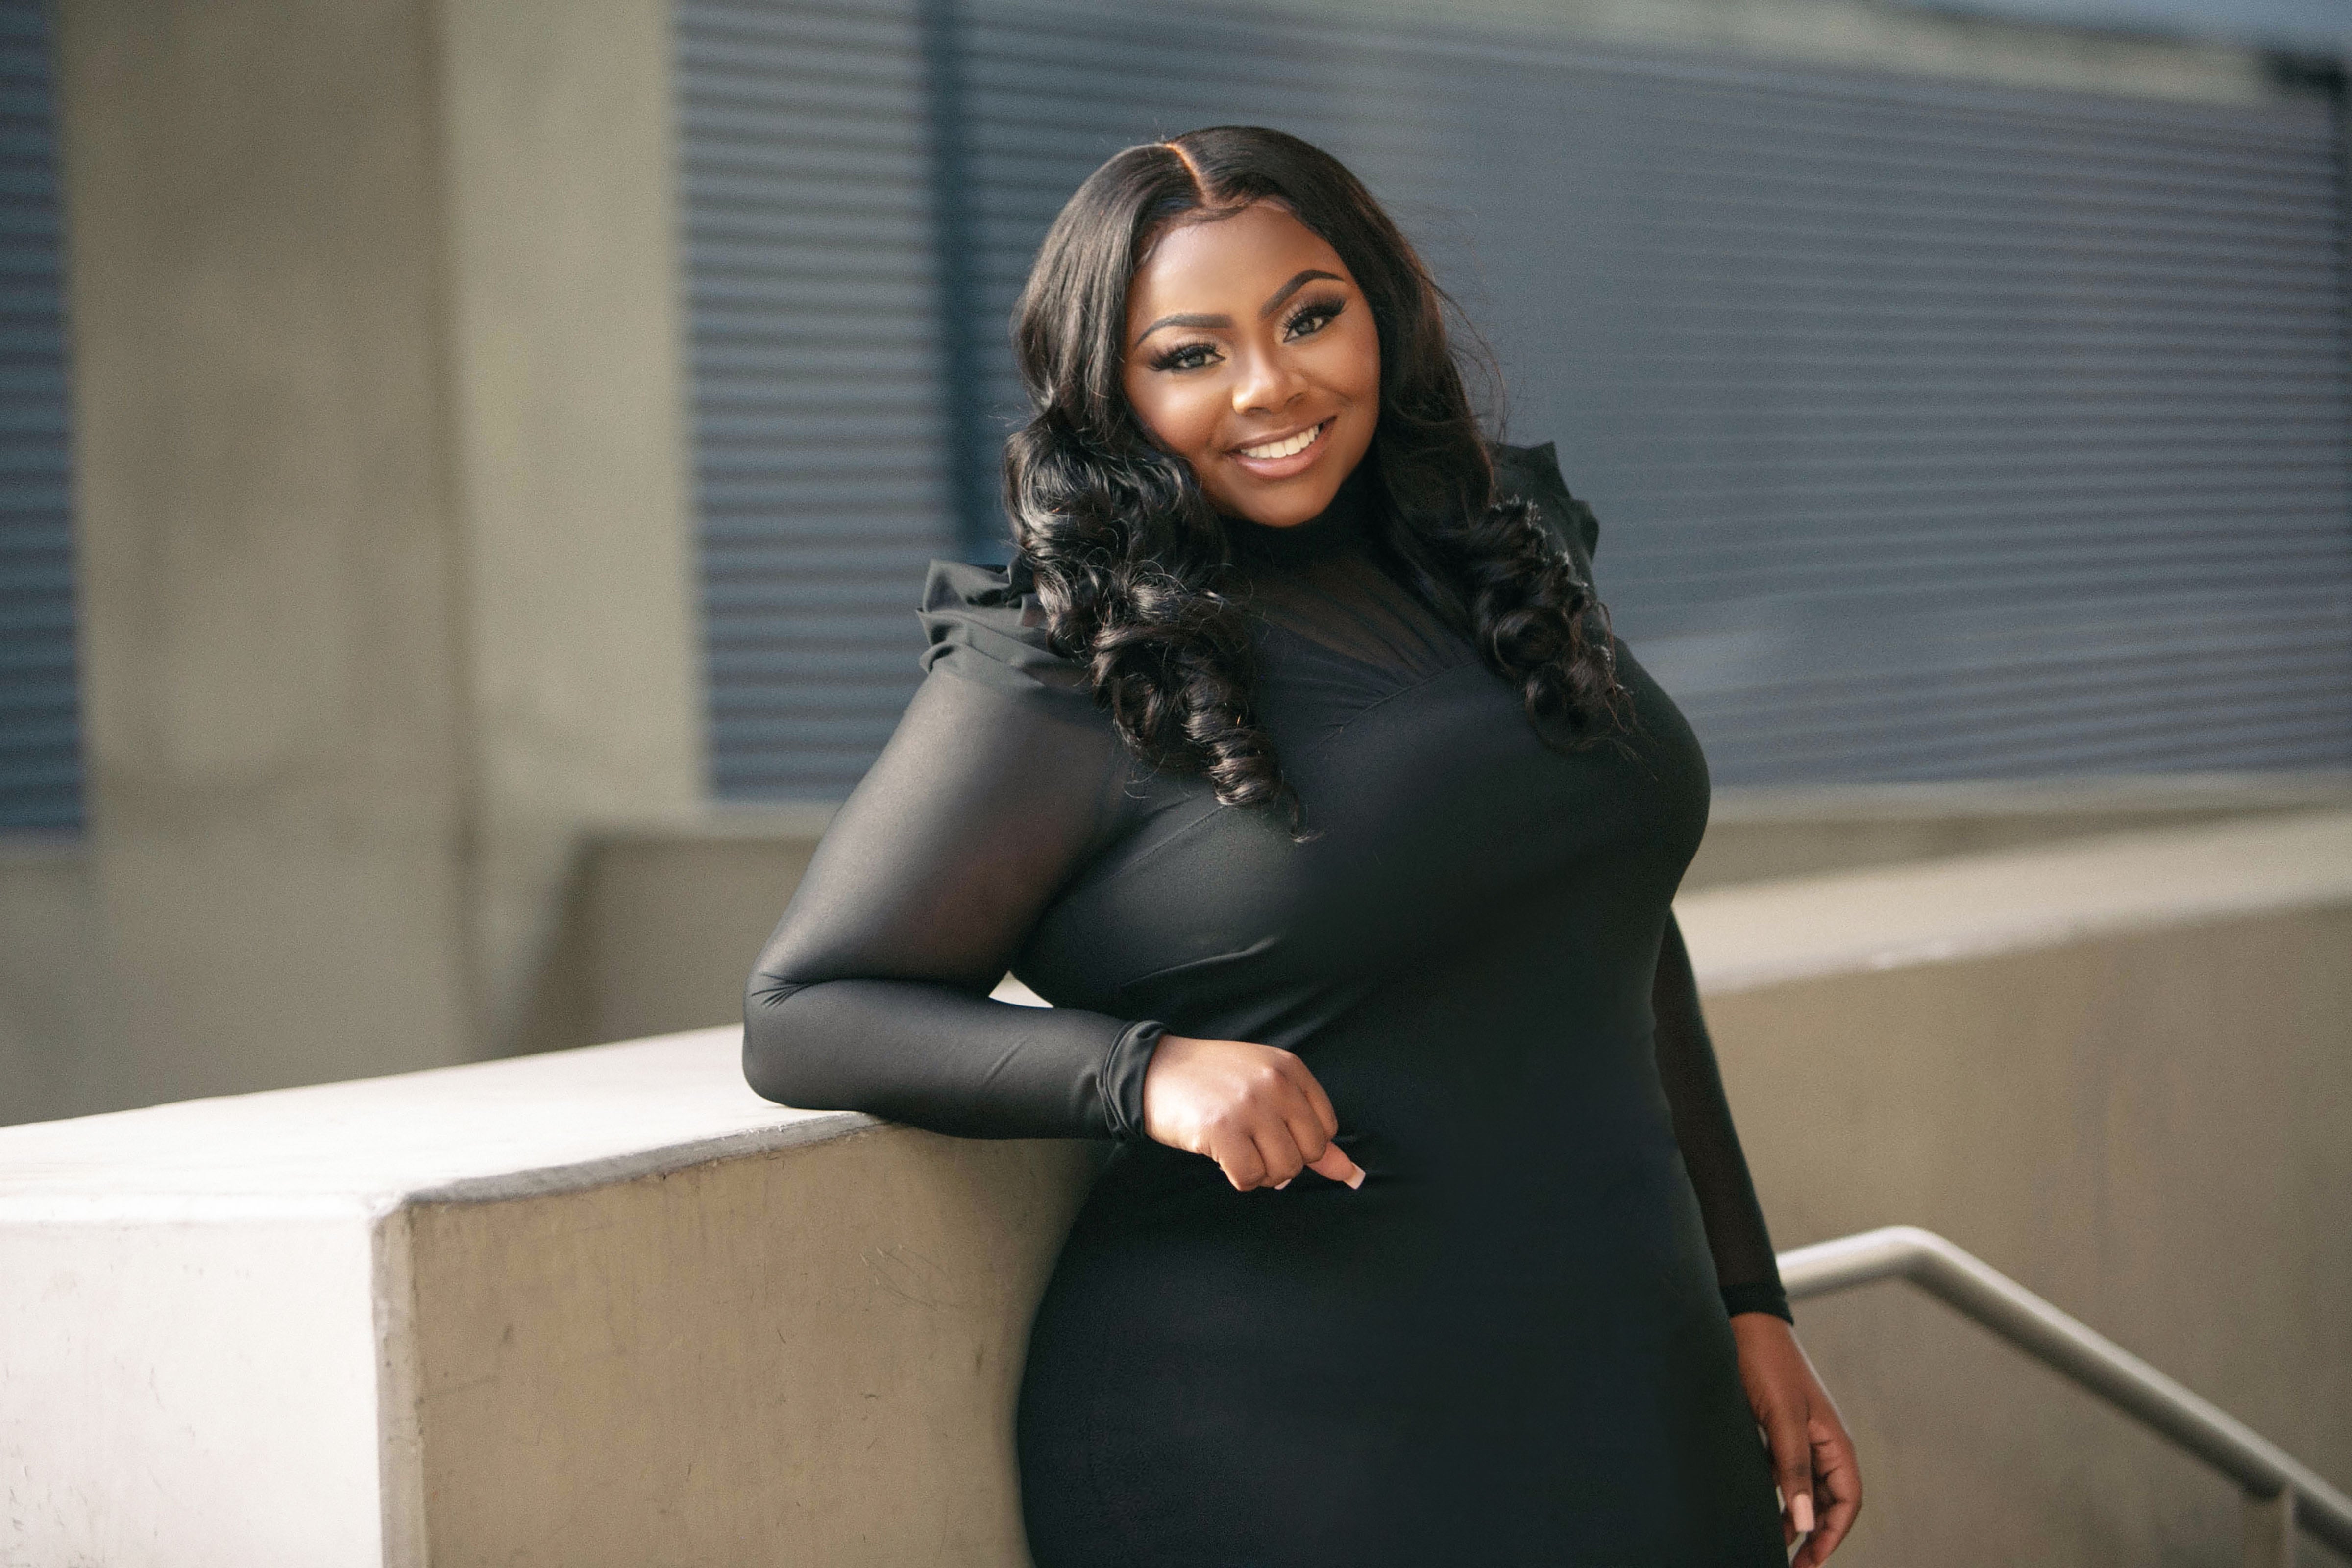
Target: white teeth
[{"x": 1299, "y": 443}]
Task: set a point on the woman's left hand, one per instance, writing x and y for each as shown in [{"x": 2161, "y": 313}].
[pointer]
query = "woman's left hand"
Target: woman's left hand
[{"x": 1813, "y": 1457}]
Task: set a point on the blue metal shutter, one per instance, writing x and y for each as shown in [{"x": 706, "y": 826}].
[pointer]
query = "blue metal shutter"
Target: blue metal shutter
[
  {"x": 818, "y": 429},
  {"x": 1936, "y": 430},
  {"x": 40, "y": 752}
]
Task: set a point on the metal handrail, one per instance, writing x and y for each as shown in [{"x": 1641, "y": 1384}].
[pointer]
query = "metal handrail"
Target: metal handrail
[{"x": 2281, "y": 1493}]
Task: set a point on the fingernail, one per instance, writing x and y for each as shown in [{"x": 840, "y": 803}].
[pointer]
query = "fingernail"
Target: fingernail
[
  {"x": 1358, "y": 1179},
  {"x": 1801, "y": 1513},
  {"x": 1284, "y": 1183}
]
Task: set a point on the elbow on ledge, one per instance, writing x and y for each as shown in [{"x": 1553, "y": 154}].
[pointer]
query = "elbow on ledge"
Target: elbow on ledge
[{"x": 777, "y": 1061}]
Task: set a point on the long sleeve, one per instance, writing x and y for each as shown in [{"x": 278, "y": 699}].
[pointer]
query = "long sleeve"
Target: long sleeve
[
  {"x": 872, "y": 995},
  {"x": 1745, "y": 1267}
]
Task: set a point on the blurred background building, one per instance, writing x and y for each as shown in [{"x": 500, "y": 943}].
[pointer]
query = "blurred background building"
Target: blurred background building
[{"x": 438, "y": 433}]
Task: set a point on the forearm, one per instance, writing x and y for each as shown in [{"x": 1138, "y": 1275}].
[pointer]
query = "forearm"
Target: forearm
[
  {"x": 1737, "y": 1236},
  {"x": 936, "y": 1057}
]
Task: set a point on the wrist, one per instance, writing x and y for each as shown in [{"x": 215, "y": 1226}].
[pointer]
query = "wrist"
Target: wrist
[{"x": 1125, "y": 1068}]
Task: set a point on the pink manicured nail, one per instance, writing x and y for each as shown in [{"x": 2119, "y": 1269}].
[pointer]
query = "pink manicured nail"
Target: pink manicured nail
[
  {"x": 1358, "y": 1179},
  {"x": 1284, "y": 1183},
  {"x": 1800, "y": 1514}
]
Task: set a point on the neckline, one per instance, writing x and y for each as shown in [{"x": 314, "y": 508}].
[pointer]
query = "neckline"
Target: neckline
[{"x": 1334, "y": 529}]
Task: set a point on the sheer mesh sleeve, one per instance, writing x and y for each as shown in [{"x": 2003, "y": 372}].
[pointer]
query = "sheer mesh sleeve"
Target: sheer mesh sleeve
[
  {"x": 999, "y": 783},
  {"x": 1744, "y": 1263}
]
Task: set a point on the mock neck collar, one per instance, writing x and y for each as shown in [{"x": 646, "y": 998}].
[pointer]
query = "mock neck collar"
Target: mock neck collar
[{"x": 1342, "y": 523}]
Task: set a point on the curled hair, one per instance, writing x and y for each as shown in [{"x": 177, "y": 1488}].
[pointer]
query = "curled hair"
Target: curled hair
[{"x": 1127, "y": 553}]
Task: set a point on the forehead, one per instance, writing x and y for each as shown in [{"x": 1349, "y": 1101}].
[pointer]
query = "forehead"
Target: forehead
[{"x": 1227, "y": 263}]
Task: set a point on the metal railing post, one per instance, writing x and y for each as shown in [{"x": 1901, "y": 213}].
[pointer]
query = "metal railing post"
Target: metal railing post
[{"x": 2270, "y": 1529}]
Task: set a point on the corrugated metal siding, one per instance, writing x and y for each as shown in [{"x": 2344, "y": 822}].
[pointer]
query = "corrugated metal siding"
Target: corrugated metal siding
[
  {"x": 815, "y": 369},
  {"x": 40, "y": 756},
  {"x": 1936, "y": 430}
]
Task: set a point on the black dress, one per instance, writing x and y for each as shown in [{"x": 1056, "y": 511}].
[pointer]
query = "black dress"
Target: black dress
[{"x": 1511, "y": 1345}]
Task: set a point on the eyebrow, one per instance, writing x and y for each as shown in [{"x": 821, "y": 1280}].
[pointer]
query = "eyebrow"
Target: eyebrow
[
  {"x": 1268, "y": 309},
  {"x": 1293, "y": 287}
]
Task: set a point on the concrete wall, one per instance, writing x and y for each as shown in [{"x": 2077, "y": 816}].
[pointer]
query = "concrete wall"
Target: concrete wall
[
  {"x": 2108, "y": 1070},
  {"x": 597, "y": 1307},
  {"x": 53, "y": 993},
  {"x": 2151, "y": 1132},
  {"x": 385, "y": 568},
  {"x": 607, "y": 1307},
  {"x": 1760, "y": 834}
]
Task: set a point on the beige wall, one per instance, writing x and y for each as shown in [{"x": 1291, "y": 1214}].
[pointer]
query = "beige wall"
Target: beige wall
[
  {"x": 2150, "y": 1130},
  {"x": 566, "y": 347},
  {"x": 270, "y": 704},
  {"x": 1759, "y": 835},
  {"x": 861, "y": 1354},
  {"x": 53, "y": 994},
  {"x": 383, "y": 561}
]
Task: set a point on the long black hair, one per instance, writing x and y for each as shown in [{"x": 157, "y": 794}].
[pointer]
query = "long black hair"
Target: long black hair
[{"x": 1128, "y": 555}]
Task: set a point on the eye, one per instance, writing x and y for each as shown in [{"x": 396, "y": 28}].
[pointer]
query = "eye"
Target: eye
[
  {"x": 1312, "y": 318},
  {"x": 1186, "y": 356}
]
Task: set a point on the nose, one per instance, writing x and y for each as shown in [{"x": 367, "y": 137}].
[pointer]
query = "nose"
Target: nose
[{"x": 1267, "y": 382}]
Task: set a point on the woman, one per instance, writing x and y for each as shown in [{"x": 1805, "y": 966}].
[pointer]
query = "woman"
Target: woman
[{"x": 1293, "y": 761}]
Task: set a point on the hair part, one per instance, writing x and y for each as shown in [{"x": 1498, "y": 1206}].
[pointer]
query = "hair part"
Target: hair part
[{"x": 1128, "y": 555}]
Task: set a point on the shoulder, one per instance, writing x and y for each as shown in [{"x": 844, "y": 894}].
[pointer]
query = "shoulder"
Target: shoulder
[
  {"x": 1532, "y": 473},
  {"x": 984, "y": 624}
]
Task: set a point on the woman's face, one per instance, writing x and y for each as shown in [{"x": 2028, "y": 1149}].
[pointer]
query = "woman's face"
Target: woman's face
[{"x": 1252, "y": 356}]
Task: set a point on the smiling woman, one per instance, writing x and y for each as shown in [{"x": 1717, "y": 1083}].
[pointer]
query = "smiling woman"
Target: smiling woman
[
  {"x": 1293, "y": 761},
  {"x": 1270, "y": 397}
]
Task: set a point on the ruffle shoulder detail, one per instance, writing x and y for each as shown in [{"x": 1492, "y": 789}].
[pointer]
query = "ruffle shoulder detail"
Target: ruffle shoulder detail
[
  {"x": 984, "y": 622},
  {"x": 1533, "y": 473}
]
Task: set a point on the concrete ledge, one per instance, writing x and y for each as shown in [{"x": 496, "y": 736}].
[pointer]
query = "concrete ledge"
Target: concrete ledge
[
  {"x": 607, "y": 1306},
  {"x": 1974, "y": 906},
  {"x": 601, "y": 1306}
]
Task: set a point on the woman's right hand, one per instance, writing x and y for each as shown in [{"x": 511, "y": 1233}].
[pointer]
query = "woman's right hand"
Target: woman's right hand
[{"x": 1255, "y": 1109}]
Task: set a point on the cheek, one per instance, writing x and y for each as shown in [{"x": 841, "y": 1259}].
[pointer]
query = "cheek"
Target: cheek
[
  {"x": 1181, "y": 415},
  {"x": 1347, "y": 361},
  {"x": 1364, "y": 354}
]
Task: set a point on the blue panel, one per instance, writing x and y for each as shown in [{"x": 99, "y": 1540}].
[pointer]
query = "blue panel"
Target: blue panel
[
  {"x": 41, "y": 751},
  {"x": 820, "y": 450},
  {"x": 1936, "y": 430}
]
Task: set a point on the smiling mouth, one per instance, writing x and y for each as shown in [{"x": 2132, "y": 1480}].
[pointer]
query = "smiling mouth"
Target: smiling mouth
[{"x": 1289, "y": 446}]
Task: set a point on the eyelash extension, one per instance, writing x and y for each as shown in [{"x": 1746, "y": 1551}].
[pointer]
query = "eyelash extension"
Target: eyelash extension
[
  {"x": 1330, "y": 309},
  {"x": 1167, "y": 358}
]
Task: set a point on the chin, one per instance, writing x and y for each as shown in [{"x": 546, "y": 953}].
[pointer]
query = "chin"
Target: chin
[{"x": 1284, "y": 510}]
